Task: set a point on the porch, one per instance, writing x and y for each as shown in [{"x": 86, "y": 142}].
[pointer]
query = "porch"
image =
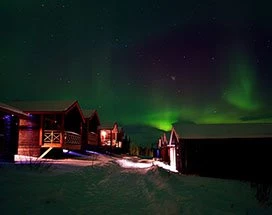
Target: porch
[{"x": 58, "y": 139}]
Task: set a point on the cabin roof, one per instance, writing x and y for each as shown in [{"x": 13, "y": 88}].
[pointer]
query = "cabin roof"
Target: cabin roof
[
  {"x": 108, "y": 125},
  {"x": 12, "y": 110},
  {"x": 89, "y": 114},
  {"x": 206, "y": 131},
  {"x": 42, "y": 106},
  {"x": 45, "y": 107}
]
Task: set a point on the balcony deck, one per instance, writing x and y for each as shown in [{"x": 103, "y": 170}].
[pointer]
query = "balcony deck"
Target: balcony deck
[{"x": 56, "y": 139}]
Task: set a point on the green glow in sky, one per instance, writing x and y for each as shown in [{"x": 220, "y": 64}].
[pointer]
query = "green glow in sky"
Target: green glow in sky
[
  {"x": 140, "y": 64},
  {"x": 242, "y": 90},
  {"x": 162, "y": 119}
]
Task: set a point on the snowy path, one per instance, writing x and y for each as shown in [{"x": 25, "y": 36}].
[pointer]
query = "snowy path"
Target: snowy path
[{"x": 104, "y": 187}]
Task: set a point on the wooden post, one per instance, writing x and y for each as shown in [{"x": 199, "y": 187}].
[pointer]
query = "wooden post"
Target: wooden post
[
  {"x": 81, "y": 133},
  {"x": 41, "y": 130},
  {"x": 62, "y": 130},
  {"x": 111, "y": 140}
]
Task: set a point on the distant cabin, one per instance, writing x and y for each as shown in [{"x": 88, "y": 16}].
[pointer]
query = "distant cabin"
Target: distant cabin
[
  {"x": 50, "y": 124},
  {"x": 111, "y": 136},
  {"x": 169, "y": 150},
  {"x": 9, "y": 121},
  {"x": 238, "y": 151}
]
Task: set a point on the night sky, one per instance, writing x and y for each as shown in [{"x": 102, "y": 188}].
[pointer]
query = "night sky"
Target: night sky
[{"x": 149, "y": 62}]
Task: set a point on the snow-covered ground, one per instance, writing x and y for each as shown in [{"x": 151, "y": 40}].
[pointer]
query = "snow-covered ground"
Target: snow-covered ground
[{"x": 110, "y": 185}]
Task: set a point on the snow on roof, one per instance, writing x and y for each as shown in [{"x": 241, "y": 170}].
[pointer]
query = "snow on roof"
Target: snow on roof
[
  {"x": 42, "y": 106},
  {"x": 12, "y": 110},
  {"x": 252, "y": 130}
]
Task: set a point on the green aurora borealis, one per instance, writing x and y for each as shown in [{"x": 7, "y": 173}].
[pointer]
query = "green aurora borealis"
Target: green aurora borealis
[
  {"x": 242, "y": 90},
  {"x": 143, "y": 62}
]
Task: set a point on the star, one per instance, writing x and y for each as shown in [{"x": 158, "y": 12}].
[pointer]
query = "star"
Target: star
[{"x": 173, "y": 77}]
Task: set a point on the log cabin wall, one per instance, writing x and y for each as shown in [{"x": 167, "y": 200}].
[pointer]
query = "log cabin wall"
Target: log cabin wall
[
  {"x": 93, "y": 124},
  {"x": 29, "y": 134},
  {"x": 165, "y": 154},
  {"x": 93, "y": 139},
  {"x": 90, "y": 132}
]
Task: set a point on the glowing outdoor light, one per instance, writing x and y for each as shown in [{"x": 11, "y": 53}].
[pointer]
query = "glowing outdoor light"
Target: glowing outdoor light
[{"x": 7, "y": 117}]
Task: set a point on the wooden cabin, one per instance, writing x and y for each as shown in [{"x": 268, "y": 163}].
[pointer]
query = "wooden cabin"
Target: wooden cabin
[
  {"x": 52, "y": 124},
  {"x": 90, "y": 129},
  {"x": 237, "y": 151},
  {"x": 111, "y": 136},
  {"x": 9, "y": 120},
  {"x": 170, "y": 151}
]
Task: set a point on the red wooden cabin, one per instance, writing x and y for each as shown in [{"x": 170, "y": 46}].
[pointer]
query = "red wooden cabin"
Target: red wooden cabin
[
  {"x": 170, "y": 151},
  {"x": 52, "y": 124},
  {"x": 111, "y": 136}
]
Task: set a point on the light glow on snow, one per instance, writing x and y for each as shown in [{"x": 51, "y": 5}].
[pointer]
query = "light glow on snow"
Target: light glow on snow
[
  {"x": 130, "y": 164},
  {"x": 92, "y": 152},
  {"x": 165, "y": 166}
]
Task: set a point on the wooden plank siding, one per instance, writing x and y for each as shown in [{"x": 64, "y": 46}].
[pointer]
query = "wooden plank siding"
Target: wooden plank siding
[
  {"x": 29, "y": 136},
  {"x": 92, "y": 139}
]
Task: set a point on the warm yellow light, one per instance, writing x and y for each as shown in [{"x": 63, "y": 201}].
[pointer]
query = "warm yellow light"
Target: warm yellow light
[{"x": 103, "y": 134}]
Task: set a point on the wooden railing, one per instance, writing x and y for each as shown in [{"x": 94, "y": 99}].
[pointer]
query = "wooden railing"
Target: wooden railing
[
  {"x": 51, "y": 136},
  {"x": 72, "y": 138},
  {"x": 54, "y": 137}
]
